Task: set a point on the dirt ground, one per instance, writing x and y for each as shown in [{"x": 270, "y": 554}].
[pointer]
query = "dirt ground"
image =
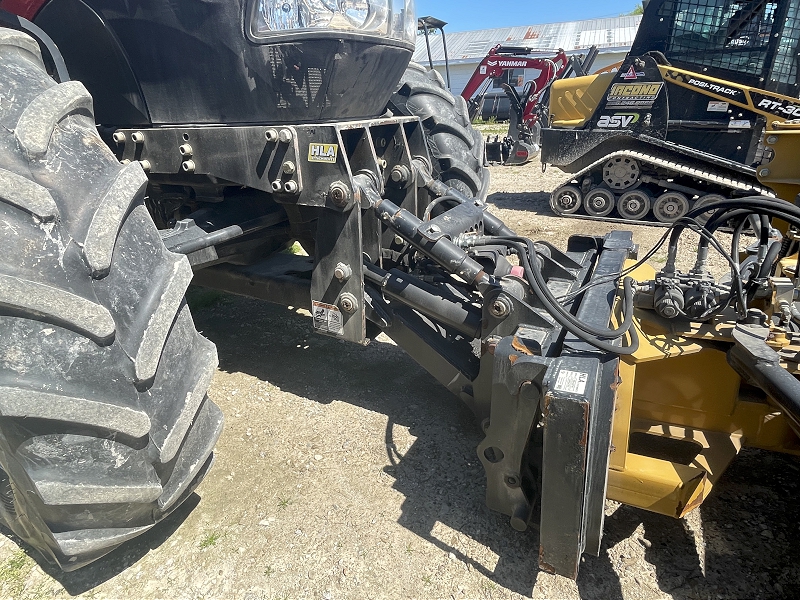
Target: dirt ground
[{"x": 348, "y": 472}]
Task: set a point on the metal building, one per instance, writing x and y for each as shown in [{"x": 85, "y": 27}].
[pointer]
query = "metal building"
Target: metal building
[{"x": 613, "y": 37}]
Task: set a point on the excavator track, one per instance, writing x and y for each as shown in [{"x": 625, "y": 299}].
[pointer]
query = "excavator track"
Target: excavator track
[{"x": 644, "y": 189}]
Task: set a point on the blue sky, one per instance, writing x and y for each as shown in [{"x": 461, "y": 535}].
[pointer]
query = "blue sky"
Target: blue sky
[{"x": 466, "y": 15}]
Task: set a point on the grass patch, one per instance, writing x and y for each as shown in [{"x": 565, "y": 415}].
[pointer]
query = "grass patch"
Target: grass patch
[
  {"x": 14, "y": 572},
  {"x": 269, "y": 571},
  {"x": 210, "y": 540},
  {"x": 284, "y": 502}
]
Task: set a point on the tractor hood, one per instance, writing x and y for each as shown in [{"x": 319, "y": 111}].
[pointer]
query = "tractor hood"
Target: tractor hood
[{"x": 233, "y": 61}]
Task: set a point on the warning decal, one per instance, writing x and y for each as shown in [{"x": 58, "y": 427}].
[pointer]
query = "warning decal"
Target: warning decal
[
  {"x": 327, "y": 318},
  {"x": 573, "y": 382}
]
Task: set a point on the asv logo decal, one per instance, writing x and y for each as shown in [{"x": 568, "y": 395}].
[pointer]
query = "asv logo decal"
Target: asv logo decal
[{"x": 618, "y": 120}]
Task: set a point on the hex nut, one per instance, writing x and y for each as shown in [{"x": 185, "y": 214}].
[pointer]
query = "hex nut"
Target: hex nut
[
  {"x": 288, "y": 167},
  {"x": 772, "y": 139},
  {"x": 285, "y": 135},
  {"x": 342, "y": 272},
  {"x": 764, "y": 172}
]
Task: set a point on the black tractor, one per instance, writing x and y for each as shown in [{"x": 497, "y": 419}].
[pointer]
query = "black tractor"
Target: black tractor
[{"x": 144, "y": 145}]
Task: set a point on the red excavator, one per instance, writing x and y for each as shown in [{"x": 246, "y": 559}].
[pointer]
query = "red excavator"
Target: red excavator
[{"x": 521, "y": 144}]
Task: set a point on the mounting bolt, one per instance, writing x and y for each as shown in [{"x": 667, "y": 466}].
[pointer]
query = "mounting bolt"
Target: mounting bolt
[
  {"x": 381, "y": 163},
  {"x": 145, "y": 164},
  {"x": 399, "y": 240},
  {"x": 348, "y": 303},
  {"x": 763, "y": 172},
  {"x": 285, "y": 135},
  {"x": 288, "y": 167},
  {"x": 137, "y": 137},
  {"x": 500, "y": 307},
  {"x": 125, "y": 161},
  {"x": 118, "y": 137},
  {"x": 188, "y": 166},
  {"x": 185, "y": 150},
  {"x": 772, "y": 139},
  {"x": 290, "y": 187},
  {"x": 277, "y": 185},
  {"x": 512, "y": 481},
  {"x": 434, "y": 228},
  {"x": 271, "y": 135},
  {"x": 339, "y": 193},
  {"x": 342, "y": 272},
  {"x": 400, "y": 174}
]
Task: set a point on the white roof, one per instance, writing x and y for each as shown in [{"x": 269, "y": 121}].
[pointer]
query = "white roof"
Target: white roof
[{"x": 608, "y": 34}]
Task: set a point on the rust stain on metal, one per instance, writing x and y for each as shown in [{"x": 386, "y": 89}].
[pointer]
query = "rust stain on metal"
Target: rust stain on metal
[
  {"x": 690, "y": 506},
  {"x": 512, "y": 358},
  {"x": 542, "y": 564},
  {"x": 517, "y": 344},
  {"x": 585, "y": 436},
  {"x": 546, "y": 406}
]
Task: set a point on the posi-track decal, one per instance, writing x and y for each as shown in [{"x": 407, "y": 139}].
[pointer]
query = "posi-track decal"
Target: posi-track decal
[
  {"x": 324, "y": 153},
  {"x": 633, "y": 95},
  {"x": 709, "y": 86}
]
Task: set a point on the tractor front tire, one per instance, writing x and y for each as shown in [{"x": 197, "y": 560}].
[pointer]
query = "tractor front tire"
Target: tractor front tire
[
  {"x": 456, "y": 148},
  {"x": 105, "y": 425}
]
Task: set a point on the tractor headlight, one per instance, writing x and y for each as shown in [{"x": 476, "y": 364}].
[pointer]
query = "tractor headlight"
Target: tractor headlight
[{"x": 386, "y": 18}]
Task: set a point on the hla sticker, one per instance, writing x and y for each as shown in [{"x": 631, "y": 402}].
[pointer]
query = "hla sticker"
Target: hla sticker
[{"x": 322, "y": 153}]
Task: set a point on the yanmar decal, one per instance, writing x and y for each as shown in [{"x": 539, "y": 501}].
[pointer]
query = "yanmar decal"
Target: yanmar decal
[
  {"x": 618, "y": 120},
  {"x": 325, "y": 153},
  {"x": 779, "y": 107},
  {"x": 633, "y": 95},
  {"x": 507, "y": 63}
]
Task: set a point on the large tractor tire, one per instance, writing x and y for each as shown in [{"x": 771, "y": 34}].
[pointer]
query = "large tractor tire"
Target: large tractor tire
[
  {"x": 105, "y": 425},
  {"x": 455, "y": 146}
]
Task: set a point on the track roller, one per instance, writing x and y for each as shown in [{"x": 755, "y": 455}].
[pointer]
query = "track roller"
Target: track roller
[
  {"x": 670, "y": 206},
  {"x": 566, "y": 200},
  {"x": 707, "y": 199},
  {"x": 634, "y": 204},
  {"x": 599, "y": 202}
]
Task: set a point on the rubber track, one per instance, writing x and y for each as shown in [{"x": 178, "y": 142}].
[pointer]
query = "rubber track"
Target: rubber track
[
  {"x": 106, "y": 425},
  {"x": 455, "y": 146},
  {"x": 683, "y": 169}
]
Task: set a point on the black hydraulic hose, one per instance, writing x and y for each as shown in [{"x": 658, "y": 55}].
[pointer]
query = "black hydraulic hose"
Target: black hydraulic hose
[
  {"x": 772, "y": 255},
  {"x": 567, "y": 320}
]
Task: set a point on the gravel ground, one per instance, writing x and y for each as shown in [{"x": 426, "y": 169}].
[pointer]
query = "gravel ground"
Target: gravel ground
[{"x": 348, "y": 472}]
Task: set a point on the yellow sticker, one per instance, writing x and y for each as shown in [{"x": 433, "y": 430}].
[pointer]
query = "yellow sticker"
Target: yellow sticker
[{"x": 325, "y": 153}]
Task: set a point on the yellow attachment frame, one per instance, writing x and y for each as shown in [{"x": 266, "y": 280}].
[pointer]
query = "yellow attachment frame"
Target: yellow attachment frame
[{"x": 682, "y": 414}]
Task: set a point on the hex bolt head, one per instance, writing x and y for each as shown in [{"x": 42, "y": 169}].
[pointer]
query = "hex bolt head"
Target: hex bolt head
[
  {"x": 500, "y": 307},
  {"x": 277, "y": 185},
  {"x": 348, "y": 303},
  {"x": 125, "y": 161},
  {"x": 399, "y": 240},
  {"x": 290, "y": 187},
  {"x": 118, "y": 137},
  {"x": 145, "y": 165},
  {"x": 188, "y": 166},
  {"x": 288, "y": 167},
  {"x": 185, "y": 150},
  {"x": 772, "y": 139},
  {"x": 285, "y": 135},
  {"x": 342, "y": 272},
  {"x": 271, "y": 135},
  {"x": 339, "y": 193},
  {"x": 137, "y": 137},
  {"x": 763, "y": 172},
  {"x": 382, "y": 163}
]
